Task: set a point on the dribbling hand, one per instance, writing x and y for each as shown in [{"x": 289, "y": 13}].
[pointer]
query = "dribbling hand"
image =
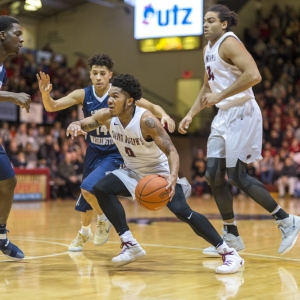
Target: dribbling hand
[
  {"x": 44, "y": 82},
  {"x": 184, "y": 124},
  {"x": 74, "y": 129},
  {"x": 171, "y": 184}
]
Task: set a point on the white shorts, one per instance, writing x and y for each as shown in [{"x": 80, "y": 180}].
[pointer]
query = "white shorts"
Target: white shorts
[
  {"x": 236, "y": 133},
  {"x": 131, "y": 178}
]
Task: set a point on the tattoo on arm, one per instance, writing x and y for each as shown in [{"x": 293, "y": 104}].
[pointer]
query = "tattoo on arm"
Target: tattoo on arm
[
  {"x": 150, "y": 123},
  {"x": 91, "y": 126},
  {"x": 166, "y": 141}
]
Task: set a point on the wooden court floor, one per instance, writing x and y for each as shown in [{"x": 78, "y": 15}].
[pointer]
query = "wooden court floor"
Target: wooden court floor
[{"x": 174, "y": 267}]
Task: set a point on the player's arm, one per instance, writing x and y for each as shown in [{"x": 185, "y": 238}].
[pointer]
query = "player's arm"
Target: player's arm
[
  {"x": 101, "y": 117},
  {"x": 157, "y": 111},
  {"x": 234, "y": 52},
  {"x": 74, "y": 98},
  {"x": 20, "y": 99},
  {"x": 197, "y": 106},
  {"x": 152, "y": 129}
]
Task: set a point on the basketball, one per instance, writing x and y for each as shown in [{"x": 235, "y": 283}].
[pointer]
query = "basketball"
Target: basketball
[{"x": 151, "y": 192}]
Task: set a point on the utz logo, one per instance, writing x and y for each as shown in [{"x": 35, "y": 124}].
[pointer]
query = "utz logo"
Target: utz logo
[{"x": 175, "y": 16}]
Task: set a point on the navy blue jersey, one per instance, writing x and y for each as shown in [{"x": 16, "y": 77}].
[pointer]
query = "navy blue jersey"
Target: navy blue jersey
[
  {"x": 100, "y": 138},
  {"x": 3, "y": 77}
]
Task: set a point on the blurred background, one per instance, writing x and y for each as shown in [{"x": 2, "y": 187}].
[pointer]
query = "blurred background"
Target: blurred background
[{"x": 167, "y": 59}]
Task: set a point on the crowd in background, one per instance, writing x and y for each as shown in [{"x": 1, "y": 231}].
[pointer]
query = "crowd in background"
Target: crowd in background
[{"x": 273, "y": 41}]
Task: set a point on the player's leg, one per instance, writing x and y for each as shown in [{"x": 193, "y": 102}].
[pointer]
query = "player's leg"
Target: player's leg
[
  {"x": 105, "y": 165},
  {"x": 289, "y": 225},
  {"x": 106, "y": 191},
  {"x": 215, "y": 176},
  {"x": 7, "y": 185},
  {"x": 203, "y": 228},
  {"x": 85, "y": 233}
]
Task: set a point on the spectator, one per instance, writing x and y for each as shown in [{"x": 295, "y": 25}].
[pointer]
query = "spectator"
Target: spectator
[
  {"x": 287, "y": 178},
  {"x": 266, "y": 168},
  {"x": 67, "y": 172}
]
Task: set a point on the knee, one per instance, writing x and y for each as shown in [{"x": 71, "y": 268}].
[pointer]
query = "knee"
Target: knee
[
  {"x": 232, "y": 178},
  {"x": 99, "y": 189},
  {"x": 214, "y": 177},
  {"x": 178, "y": 209},
  {"x": 87, "y": 195}
]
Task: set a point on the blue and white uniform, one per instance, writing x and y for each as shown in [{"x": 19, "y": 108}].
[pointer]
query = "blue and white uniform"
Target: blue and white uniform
[
  {"x": 6, "y": 170},
  {"x": 102, "y": 155}
]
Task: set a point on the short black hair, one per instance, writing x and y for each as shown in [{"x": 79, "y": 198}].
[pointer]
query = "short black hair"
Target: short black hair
[
  {"x": 6, "y": 22},
  {"x": 101, "y": 59},
  {"x": 129, "y": 84},
  {"x": 225, "y": 14}
]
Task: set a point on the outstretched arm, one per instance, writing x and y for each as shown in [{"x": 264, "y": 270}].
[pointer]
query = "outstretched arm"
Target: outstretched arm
[
  {"x": 74, "y": 98},
  {"x": 151, "y": 128},
  {"x": 101, "y": 117},
  {"x": 196, "y": 108},
  {"x": 20, "y": 99},
  {"x": 157, "y": 111}
]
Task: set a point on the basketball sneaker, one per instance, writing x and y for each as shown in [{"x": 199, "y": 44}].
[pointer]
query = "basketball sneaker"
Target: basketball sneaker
[
  {"x": 78, "y": 243},
  {"x": 231, "y": 240},
  {"x": 102, "y": 232},
  {"x": 9, "y": 249},
  {"x": 289, "y": 228},
  {"x": 131, "y": 251},
  {"x": 231, "y": 262}
]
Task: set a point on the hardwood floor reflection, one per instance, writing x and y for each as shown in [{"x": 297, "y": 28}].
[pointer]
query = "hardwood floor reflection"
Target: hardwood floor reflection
[{"x": 174, "y": 267}]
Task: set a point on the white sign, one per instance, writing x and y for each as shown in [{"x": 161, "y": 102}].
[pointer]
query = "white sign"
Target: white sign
[
  {"x": 35, "y": 114},
  {"x": 164, "y": 18}
]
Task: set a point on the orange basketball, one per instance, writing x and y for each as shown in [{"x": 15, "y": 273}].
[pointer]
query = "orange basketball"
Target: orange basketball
[{"x": 151, "y": 192}]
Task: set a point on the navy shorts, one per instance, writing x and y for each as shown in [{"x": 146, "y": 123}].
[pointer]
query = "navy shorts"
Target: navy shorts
[
  {"x": 96, "y": 166},
  {"x": 6, "y": 170}
]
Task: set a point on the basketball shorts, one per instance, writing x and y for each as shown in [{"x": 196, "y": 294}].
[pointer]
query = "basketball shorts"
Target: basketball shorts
[
  {"x": 6, "y": 170},
  {"x": 95, "y": 167},
  {"x": 131, "y": 178},
  {"x": 236, "y": 133}
]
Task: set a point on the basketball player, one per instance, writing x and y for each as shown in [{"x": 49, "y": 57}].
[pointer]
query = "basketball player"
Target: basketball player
[
  {"x": 11, "y": 43},
  {"x": 102, "y": 155},
  {"x": 146, "y": 149},
  {"x": 236, "y": 134}
]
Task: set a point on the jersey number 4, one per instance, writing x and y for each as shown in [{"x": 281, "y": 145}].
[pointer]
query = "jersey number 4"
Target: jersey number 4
[{"x": 210, "y": 74}]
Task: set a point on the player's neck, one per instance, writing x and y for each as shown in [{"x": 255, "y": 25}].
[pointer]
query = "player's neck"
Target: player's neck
[
  {"x": 127, "y": 116},
  {"x": 3, "y": 55},
  {"x": 100, "y": 93},
  {"x": 212, "y": 42}
]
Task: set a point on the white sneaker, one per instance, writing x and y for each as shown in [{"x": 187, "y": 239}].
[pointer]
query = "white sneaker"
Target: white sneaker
[
  {"x": 78, "y": 243},
  {"x": 231, "y": 262},
  {"x": 102, "y": 232},
  {"x": 231, "y": 240},
  {"x": 131, "y": 251},
  {"x": 289, "y": 228}
]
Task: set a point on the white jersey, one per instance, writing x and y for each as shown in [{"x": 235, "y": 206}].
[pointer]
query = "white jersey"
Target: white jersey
[
  {"x": 138, "y": 154},
  {"x": 221, "y": 75}
]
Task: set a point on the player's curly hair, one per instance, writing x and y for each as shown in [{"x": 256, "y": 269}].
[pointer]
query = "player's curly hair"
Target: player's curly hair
[
  {"x": 101, "y": 59},
  {"x": 225, "y": 14},
  {"x": 6, "y": 22},
  {"x": 129, "y": 84}
]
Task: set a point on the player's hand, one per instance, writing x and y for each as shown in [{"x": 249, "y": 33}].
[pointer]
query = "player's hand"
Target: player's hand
[
  {"x": 165, "y": 119},
  {"x": 184, "y": 124},
  {"x": 74, "y": 129},
  {"x": 44, "y": 82},
  {"x": 22, "y": 100},
  {"x": 171, "y": 184},
  {"x": 210, "y": 99}
]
